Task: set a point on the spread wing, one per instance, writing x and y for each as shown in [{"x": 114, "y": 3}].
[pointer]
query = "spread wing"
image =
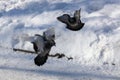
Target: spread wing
[{"x": 77, "y": 14}]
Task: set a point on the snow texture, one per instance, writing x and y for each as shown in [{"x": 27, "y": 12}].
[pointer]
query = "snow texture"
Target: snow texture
[{"x": 95, "y": 48}]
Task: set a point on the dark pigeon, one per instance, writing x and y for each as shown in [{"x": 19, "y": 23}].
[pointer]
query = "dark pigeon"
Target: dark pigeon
[
  {"x": 73, "y": 23},
  {"x": 42, "y": 46}
]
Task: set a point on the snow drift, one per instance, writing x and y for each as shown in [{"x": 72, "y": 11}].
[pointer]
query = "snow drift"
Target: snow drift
[{"x": 96, "y": 44}]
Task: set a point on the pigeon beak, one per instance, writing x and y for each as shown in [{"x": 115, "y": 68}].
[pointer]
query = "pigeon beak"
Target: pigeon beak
[{"x": 60, "y": 18}]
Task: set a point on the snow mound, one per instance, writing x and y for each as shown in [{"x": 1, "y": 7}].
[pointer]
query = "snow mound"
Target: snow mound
[{"x": 97, "y": 42}]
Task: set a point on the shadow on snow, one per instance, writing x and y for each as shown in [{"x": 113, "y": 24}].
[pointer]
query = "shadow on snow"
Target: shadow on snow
[{"x": 59, "y": 73}]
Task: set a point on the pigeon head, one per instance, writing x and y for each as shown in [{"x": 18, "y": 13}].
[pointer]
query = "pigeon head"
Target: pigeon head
[{"x": 64, "y": 18}]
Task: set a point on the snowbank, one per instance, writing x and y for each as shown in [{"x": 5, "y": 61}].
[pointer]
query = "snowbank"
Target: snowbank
[{"x": 97, "y": 42}]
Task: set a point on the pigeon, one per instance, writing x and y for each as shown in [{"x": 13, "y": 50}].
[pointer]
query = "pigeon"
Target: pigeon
[
  {"x": 42, "y": 45},
  {"x": 73, "y": 23}
]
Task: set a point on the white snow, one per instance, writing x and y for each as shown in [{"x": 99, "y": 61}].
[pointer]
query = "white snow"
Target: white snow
[{"x": 95, "y": 48}]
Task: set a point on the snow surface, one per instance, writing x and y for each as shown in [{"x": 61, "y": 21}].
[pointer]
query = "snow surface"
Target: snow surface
[{"x": 95, "y": 48}]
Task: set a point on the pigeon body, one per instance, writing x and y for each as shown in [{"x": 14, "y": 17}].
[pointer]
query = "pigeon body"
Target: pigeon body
[
  {"x": 73, "y": 23},
  {"x": 42, "y": 46}
]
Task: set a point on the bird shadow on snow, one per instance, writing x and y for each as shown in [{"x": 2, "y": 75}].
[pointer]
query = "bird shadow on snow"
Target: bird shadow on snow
[{"x": 60, "y": 73}]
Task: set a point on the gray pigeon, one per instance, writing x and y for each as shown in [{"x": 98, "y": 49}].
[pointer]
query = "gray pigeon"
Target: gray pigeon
[
  {"x": 42, "y": 45},
  {"x": 73, "y": 23}
]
